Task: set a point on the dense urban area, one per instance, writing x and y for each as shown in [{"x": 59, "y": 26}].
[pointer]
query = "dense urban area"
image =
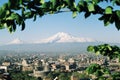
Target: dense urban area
[
  {"x": 44, "y": 62},
  {"x": 58, "y": 67}
]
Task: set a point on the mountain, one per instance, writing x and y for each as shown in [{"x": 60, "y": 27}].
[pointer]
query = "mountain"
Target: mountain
[
  {"x": 62, "y": 37},
  {"x": 16, "y": 41}
]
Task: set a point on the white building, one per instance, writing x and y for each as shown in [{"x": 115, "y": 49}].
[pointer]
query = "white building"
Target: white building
[{"x": 4, "y": 68}]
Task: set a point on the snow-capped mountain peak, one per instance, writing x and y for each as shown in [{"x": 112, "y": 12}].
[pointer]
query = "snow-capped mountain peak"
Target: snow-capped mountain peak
[
  {"x": 62, "y": 37},
  {"x": 62, "y": 34}
]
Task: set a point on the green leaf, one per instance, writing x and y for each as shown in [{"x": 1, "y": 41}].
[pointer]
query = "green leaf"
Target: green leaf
[
  {"x": 10, "y": 29},
  {"x": 2, "y": 13},
  {"x": 116, "y": 53},
  {"x": 34, "y": 17},
  {"x": 70, "y": 2},
  {"x": 95, "y": 1},
  {"x": 36, "y": 1},
  {"x": 78, "y": 9},
  {"x": 12, "y": 16},
  {"x": 74, "y": 14},
  {"x": 10, "y": 25},
  {"x": 21, "y": 1},
  {"x": 74, "y": 5},
  {"x": 7, "y": 12},
  {"x": 97, "y": 52},
  {"x": 19, "y": 20},
  {"x": 107, "y": 19},
  {"x": 23, "y": 26},
  {"x": 26, "y": 0},
  {"x": 112, "y": 18},
  {"x": 81, "y": 3},
  {"x": 90, "y": 49},
  {"x": 117, "y": 24},
  {"x": 106, "y": 23},
  {"x": 98, "y": 73},
  {"x": 5, "y": 6},
  {"x": 108, "y": 10},
  {"x": 93, "y": 68},
  {"x": 91, "y": 7},
  {"x": 101, "y": 18},
  {"x": 87, "y": 14},
  {"x": 118, "y": 13},
  {"x": 28, "y": 15},
  {"x": 16, "y": 5},
  {"x": 106, "y": 71},
  {"x": 109, "y": 47},
  {"x": 1, "y": 26},
  {"x": 54, "y": 3},
  {"x": 117, "y": 2},
  {"x": 46, "y": 5},
  {"x": 63, "y": 5},
  {"x": 42, "y": 1},
  {"x": 14, "y": 27}
]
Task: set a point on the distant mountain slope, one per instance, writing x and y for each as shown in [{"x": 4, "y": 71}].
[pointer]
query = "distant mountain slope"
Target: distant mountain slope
[
  {"x": 62, "y": 37},
  {"x": 16, "y": 41}
]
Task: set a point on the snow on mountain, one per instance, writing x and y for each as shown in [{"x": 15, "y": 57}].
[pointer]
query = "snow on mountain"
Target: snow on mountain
[
  {"x": 16, "y": 41},
  {"x": 62, "y": 37}
]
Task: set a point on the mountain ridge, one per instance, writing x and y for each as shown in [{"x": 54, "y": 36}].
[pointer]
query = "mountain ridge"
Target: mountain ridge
[
  {"x": 62, "y": 37},
  {"x": 16, "y": 41}
]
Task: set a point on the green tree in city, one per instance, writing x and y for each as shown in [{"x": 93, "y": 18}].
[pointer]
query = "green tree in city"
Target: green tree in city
[
  {"x": 22, "y": 76},
  {"x": 111, "y": 52},
  {"x": 22, "y": 10},
  {"x": 80, "y": 75},
  {"x": 64, "y": 76},
  {"x": 97, "y": 71},
  {"x": 39, "y": 78},
  {"x": 50, "y": 75},
  {"x": 116, "y": 76}
]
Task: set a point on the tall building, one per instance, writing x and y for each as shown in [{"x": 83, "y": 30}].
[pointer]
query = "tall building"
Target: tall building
[
  {"x": 37, "y": 63},
  {"x": 41, "y": 73},
  {"x": 71, "y": 60},
  {"x": 26, "y": 66},
  {"x": 46, "y": 67},
  {"x": 24, "y": 62},
  {"x": 67, "y": 66}
]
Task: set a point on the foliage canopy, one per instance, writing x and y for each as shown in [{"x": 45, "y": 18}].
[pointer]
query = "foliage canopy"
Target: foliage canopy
[
  {"x": 97, "y": 70},
  {"x": 13, "y": 15},
  {"x": 106, "y": 50}
]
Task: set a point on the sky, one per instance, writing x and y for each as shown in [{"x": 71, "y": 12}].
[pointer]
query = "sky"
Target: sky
[{"x": 49, "y": 25}]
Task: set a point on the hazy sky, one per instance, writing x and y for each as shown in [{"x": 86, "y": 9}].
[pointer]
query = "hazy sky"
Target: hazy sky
[{"x": 49, "y": 25}]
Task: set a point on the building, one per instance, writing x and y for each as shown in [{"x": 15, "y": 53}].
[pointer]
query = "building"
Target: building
[
  {"x": 26, "y": 66},
  {"x": 41, "y": 72},
  {"x": 3, "y": 69},
  {"x": 47, "y": 78},
  {"x": 6, "y": 63},
  {"x": 5, "y": 76},
  {"x": 46, "y": 67},
  {"x": 38, "y": 73}
]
